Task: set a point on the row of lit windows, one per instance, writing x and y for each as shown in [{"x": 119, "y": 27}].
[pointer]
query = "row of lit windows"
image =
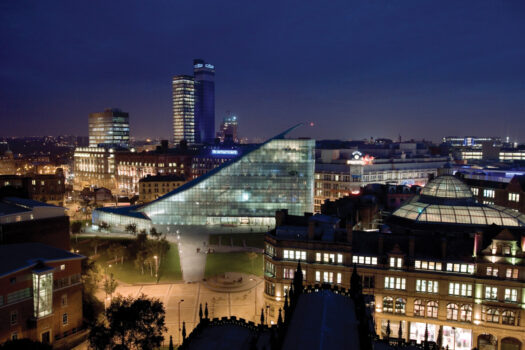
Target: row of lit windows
[
  {"x": 510, "y": 294},
  {"x": 294, "y": 254},
  {"x": 329, "y": 258},
  {"x": 328, "y": 277}
]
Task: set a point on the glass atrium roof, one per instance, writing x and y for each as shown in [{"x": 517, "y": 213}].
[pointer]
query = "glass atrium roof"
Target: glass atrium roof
[
  {"x": 447, "y": 186},
  {"x": 459, "y": 208}
]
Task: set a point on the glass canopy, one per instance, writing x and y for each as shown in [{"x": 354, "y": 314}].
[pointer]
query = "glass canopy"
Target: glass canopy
[{"x": 460, "y": 206}]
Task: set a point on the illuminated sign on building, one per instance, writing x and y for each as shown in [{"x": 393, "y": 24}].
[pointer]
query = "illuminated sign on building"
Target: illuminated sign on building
[
  {"x": 224, "y": 152},
  {"x": 198, "y": 65},
  {"x": 359, "y": 159}
]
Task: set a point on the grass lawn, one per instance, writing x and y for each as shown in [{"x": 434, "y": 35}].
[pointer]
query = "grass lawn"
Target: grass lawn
[
  {"x": 218, "y": 263},
  {"x": 252, "y": 239},
  {"x": 169, "y": 271}
]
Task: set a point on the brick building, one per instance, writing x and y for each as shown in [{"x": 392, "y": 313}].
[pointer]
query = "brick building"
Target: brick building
[{"x": 40, "y": 294}]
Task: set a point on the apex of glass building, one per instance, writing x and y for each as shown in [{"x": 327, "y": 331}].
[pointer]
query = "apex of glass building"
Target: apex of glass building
[
  {"x": 204, "y": 77},
  {"x": 109, "y": 127},
  {"x": 247, "y": 191}
]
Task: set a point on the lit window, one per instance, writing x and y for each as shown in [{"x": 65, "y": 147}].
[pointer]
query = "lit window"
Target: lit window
[
  {"x": 339, "y": 278},
  {"x": 460, "y": 289},
  {"x": 395, "y": 283},
  {"x": 62, "y": 267},
  {"x": 512, "y": 274},
  {"x": 466, "y": 313},
  {"x": 400, "y": 307},
  {"x": 514, "y": 197},
  {"x": 419, "y": 308},
  {"x": 452, "y": 312},
  {"x": 487, "y": 193},
  {"x": 492, "y": 271},
  {"x": 432, "y": 309},
  {"x": 339, "y": 258},
  {"x": 388, "y": 304},
  {"x": 318, "y": 276},
  {"x": 318, "y": 257},
  {"x": 511, "y": 295},
  {"x": 491, "y": 293},
  {"x": 64, "y": 319},
  {"x": 425, "y": 286},
  {"x": 508, "y": 317}
]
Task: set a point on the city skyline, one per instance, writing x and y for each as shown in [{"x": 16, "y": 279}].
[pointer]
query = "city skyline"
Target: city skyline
[{"x": 355, "y": 70}]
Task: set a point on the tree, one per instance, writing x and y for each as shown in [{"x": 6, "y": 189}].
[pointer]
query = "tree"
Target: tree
[
  {"x": 103, "y": 226},
  {"x": 92, "y": 308},
  {"x": 76, "y": 226},
  {"x": 131, "y": 229},
  {"x": 130, "y": 324},
  {"x": 110, "y": 284},
  {"x": 117, "y": 251},
  {"x": 94, "y": 243}
]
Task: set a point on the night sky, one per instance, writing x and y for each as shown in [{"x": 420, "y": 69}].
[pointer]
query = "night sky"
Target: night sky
[{"x": 422, "y": 69}]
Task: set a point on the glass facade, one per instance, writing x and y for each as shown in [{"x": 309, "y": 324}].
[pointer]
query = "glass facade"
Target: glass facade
[
  {"x": 42, "y": 294},
  {"x": 204, "y": 74},
  {"x": 277, "y": 174}
]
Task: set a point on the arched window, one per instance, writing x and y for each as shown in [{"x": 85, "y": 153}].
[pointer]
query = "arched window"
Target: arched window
[
  {"x": 452, "y": 312},
  {"x": 466, "y": 313},
  {"x": 432, "y": 309},
  {"x": 401, "y": 306},
  {"x": 492, "y": 315},
  {"x": 388, "y": 304},
  {"x": 419, "y": 308},
  {"x": 508, "y": 317}
]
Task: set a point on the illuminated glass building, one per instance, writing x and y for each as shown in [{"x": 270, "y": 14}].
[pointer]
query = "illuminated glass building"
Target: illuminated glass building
[
  {"x": 204, "y": 77},
  {"x": 183, "y": 108},
  {"x": 277, "y": 174},
  {"x": 109, "y": 127}
]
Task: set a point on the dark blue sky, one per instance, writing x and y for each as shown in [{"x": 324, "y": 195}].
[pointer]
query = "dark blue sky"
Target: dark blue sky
[{"x": 355, "y": 68}]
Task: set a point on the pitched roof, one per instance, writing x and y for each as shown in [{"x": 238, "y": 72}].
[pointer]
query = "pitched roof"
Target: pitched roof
[{"x": 15, "y": 257}]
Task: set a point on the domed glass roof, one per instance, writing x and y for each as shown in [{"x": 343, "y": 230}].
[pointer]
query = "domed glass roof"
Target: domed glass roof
[
  {"x": 446, "y": 199},
  {"x": 447, "y": 186}
]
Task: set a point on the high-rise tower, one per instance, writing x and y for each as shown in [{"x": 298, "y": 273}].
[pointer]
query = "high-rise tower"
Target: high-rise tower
[
  {"x": 183, "y": 108},
  {"x": 204, "y": 77},
  {"x": 109, "y": 127}
]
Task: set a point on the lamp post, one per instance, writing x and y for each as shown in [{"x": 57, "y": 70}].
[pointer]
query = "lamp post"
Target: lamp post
[
  {"x": 156, "y": 268},
  {"x": 180, "y": 340}
]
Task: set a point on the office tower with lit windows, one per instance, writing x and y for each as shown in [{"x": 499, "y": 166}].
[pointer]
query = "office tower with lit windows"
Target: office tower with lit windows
[
  {"x": 109, "y": 127},
  {"x": 204, "y": 77},
  {"x": 229, "y": 129},
  {"x": 183, "y": 108}
]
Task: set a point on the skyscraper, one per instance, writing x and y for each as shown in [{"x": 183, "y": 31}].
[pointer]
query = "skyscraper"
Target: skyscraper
[
  {"x": 229, "y": 129},
  {"x": 109, "y": 127},
  {"x": 204, "y": 77},
  {"x": 183, "y": 108}
]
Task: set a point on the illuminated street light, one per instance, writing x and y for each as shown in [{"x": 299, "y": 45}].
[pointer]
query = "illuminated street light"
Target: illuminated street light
[{"x": 179, "y": 320}]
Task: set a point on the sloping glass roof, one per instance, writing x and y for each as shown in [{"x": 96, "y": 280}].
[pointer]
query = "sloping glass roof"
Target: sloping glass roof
[
  {"x": 447, "y": 186},
  {"x": 446, "y": 199}
]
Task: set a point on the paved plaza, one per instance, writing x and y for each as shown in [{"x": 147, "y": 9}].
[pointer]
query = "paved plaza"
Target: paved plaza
[{"x": 246, "y": 304}]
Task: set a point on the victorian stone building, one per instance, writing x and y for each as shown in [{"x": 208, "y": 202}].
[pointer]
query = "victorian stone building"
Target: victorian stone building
[{"x": 444, "y": 265}]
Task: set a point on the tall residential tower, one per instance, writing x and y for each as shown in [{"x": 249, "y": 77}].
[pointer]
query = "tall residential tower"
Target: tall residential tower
[{"x": 109, "y": 127}]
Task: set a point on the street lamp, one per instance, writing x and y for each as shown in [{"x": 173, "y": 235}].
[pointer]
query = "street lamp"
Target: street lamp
[
  {"x": 180, "y": 340},
  {"x": 156, "y": 267}
]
